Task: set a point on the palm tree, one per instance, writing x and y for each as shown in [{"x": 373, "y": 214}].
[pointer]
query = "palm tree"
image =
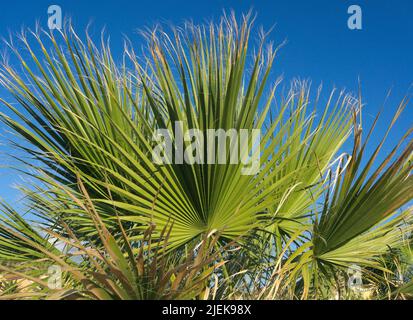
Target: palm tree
[{"x": 121, "y": 226}]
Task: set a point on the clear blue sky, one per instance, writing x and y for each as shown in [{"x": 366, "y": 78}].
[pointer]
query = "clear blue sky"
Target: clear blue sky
[{"x": 320, "y": 47}]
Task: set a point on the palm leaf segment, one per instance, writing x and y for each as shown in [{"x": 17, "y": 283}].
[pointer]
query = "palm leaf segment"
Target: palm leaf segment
[{"x": 85, "y": 118}]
